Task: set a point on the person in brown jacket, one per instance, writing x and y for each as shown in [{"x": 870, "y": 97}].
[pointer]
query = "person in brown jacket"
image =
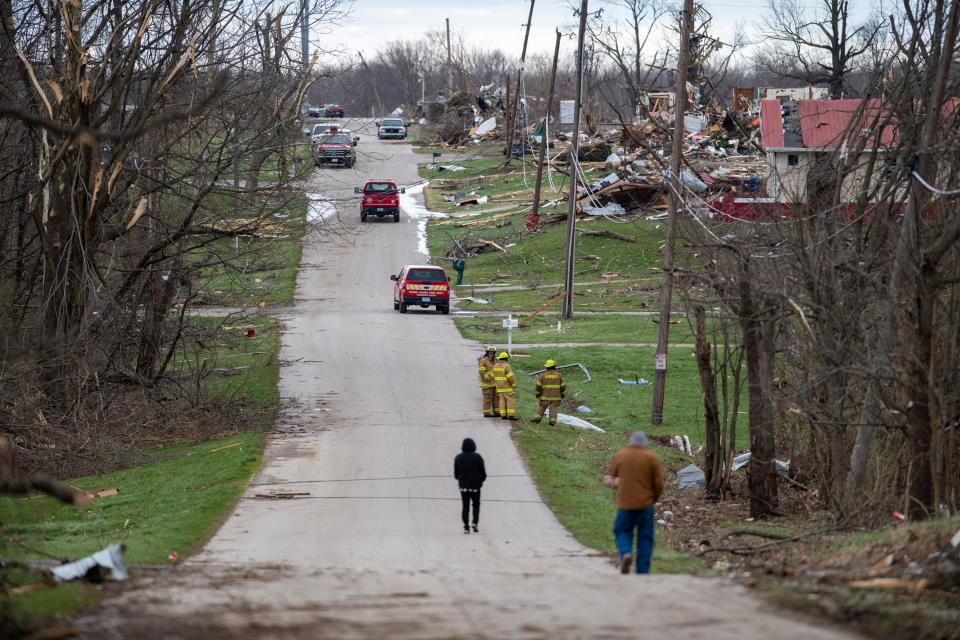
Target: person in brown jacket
[
  {"x": 550, "y": 391},
  {"x": 487, "y": 387},
  {"x": 638, "y": 477}
]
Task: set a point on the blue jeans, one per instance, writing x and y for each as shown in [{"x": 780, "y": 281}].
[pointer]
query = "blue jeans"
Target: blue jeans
[{"x": 641, "y": 521}]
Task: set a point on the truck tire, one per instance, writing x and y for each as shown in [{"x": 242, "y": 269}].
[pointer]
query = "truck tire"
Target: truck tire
[
  {"x": 363, "y": 216},
  {"x": 445, "y": 310},
  {"x": 402, "y": 307},
  {"x": 396, "y": 217}
]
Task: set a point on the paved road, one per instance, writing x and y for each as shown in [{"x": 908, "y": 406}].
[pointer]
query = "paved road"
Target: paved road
[{"x": 377, "y": 549}]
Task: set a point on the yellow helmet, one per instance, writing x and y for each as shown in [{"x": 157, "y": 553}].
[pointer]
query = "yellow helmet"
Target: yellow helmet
[
  {"x": 549, "y": 363},
  {"x": 503, "y": 355}
]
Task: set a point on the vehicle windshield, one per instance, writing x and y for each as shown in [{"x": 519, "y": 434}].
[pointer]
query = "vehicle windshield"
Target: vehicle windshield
[
  {"x": 391, "y": 122},
  {"x": 321, "y": 128},
  {"x": 336, "y": 139},
  {"x": 427, "y": 275},
  {"x": 380, "y": 187}
]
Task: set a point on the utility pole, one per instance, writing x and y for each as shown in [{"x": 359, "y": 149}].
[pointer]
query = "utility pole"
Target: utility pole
[
  {"x": 305, "y": 34},
  {"x": 512, "y": 120},
  {"x": 574, "y": 166},
  {"x": 449, "y": 64},
  {"x": 676, "y": 203},
  {"x": 546, "y": 128}
]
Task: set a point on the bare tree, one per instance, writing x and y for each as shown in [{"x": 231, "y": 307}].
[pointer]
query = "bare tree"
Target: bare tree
[{"x": 818, "y": 44}]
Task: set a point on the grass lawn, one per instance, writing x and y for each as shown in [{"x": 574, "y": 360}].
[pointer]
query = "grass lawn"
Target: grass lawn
[
  {"x": 250, "y": 270},
  {"x": 543, "y": 328},
  {"x": 173, "y": 503},
  {"x": 567, "y": 463}
]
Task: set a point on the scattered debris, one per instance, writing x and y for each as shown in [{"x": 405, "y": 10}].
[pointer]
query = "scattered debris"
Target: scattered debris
[
  {"x": 94, "y": 568},
  {"x": 682, "y": 443},
  {"x": 783, "y": 466},
  {"x": 446, "y": 167},
  {"x": 609, "y": 234},
  {"x": 227, "y": 446},
  {"x": 475, "y": 300},
  {"x": 103, "y": 493},
  {"x": 584, "y": 409},
  {"x": 566, "y": 366},
  {"x": 29, "y": 588},
  {"x": 691, "y": 477},
  {"x": 281, "y": 495},
  {"x": 634, "y": 381},
  {"x": 579, "y": 423}
]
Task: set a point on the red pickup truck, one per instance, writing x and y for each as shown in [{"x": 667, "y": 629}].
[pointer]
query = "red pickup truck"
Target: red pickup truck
[
  {"x": 379, "y": 198},
  {"x": 422, "y": 286}
]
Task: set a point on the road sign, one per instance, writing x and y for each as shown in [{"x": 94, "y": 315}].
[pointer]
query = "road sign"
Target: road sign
[
  {"x": 661, "y": 362},
  {"x": 511, "y": 323}
]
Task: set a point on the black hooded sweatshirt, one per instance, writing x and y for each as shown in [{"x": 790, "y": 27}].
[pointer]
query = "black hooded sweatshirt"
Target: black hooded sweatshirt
[{"x": 468, "y": 466}]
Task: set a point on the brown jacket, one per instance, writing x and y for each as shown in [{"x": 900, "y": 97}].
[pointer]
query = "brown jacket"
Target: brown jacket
[
  {"x": 640, "y": 477},
  {"x": 503, "y": 378},
  {"x": 485, "y": 366},
  {"x": 550, "y": 386}
]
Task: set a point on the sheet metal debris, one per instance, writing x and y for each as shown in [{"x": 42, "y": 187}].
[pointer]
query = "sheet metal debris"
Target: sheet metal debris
[{"x": 94, "y": 568}]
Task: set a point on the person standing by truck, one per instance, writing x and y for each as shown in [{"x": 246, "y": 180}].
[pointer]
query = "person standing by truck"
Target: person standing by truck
[
  {"x": 470, "y": 473},
  {"x": 487, "y": 388},
  {"x": 506, "y": 384},
  {"x": 550, "y": 391}
]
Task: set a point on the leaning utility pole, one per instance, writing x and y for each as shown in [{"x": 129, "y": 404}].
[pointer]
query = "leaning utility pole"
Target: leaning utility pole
[
  {"x": 305, "y": 34},
  {"x": 676, "y": 203},
  {"x": 449, "y": 64},
  {"x": 512, "y": 120},
  {"x": 545, "y": 141},
  {"x": 574, "y": 170}
]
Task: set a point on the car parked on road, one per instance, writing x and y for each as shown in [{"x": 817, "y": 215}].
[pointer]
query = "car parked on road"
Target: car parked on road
[
  {"x": 391, "y": 128},
  {"x": 423, "y": 286},
  {"x": 335, "y": 148},
  {"x": 333, "y": 111},
  {"x": 379, "y": 198}
]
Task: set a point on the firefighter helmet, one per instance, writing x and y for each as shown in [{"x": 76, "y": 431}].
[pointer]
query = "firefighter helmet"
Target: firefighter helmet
[
  {"x": 503, "y": 355},
  {"x": 549, "y": 364},
  {"x": 490, "y": 348}
]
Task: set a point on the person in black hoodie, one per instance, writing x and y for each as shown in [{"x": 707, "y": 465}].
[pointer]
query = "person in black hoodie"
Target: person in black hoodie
[{"x": 469, "y": 471}]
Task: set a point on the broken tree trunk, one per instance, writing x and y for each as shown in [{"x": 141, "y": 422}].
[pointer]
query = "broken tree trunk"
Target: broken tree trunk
[
  {"x": 609, "y": 234},
  {"x": 758, "y": 325},
  {"x": 713, "y": 460},
  {"x": 12, "y": 483}
]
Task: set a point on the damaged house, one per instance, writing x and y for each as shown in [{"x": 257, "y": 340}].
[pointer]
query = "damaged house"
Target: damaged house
[{"x": 799, "y": 136}]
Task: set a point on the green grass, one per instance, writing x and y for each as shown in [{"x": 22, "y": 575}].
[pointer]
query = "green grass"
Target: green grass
[
  {"x": 270, "y": 171},
  {"x": 248, "y": 271},
  {"x": 236, "y": 367},
  {"x": 543, "y": 328},
  {"x": 567, "y": 463},
  {"x": 172, "y": 503},
  {"x": 538, "y": 258}
]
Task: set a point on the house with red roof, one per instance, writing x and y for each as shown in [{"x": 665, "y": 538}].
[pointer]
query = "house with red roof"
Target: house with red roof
[{"x": 829, "y": 134}]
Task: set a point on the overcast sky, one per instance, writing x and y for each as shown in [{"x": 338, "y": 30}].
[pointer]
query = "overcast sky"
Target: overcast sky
[{"x": 499, "y": 23}]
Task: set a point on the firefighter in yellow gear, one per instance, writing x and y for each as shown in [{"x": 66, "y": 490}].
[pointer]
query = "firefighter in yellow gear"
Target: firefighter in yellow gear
[
  {"x": 550, "y": 391},
  {"x": 506, "y": 387},
  {"x": 487, "y": 387}
]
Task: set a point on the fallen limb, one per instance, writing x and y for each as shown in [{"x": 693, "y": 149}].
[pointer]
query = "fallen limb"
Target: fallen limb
[
  {"x": 759, "y": 534},
  {"x": 747, "y": 551},
  {"x": 12, "y": 483},
  {"x": 609, "y": 234},
  {"x": 491, "y": 244}
]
